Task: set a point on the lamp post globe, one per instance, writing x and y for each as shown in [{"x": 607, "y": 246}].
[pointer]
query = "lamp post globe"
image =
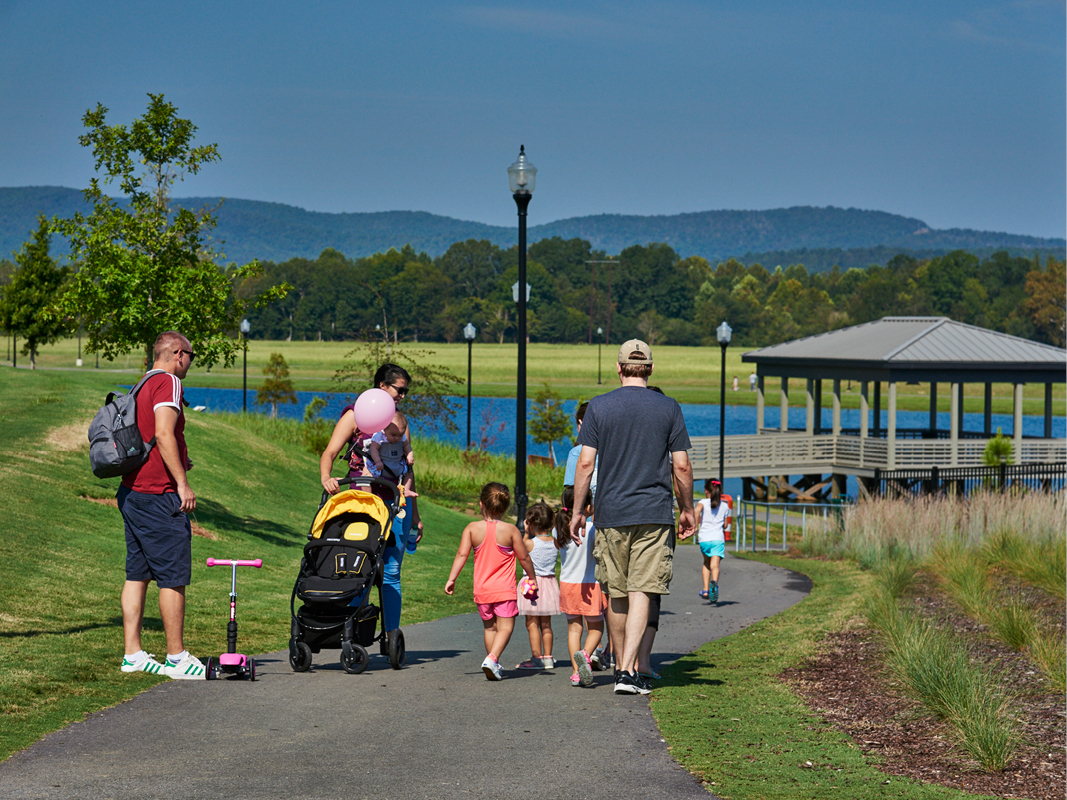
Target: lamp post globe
[
  {"x": 469, "y": 332},
  {"x": 245, "y": 327},
  {"x": 723, "y": 333},
  {"x": 521, "y": 178}
]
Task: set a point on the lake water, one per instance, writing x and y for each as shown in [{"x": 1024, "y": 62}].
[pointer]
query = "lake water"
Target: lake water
[{"x": 495, "y": 418}]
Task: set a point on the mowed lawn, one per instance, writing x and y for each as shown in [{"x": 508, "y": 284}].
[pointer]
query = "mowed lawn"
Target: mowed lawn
[{"x": 689, "y": 374}]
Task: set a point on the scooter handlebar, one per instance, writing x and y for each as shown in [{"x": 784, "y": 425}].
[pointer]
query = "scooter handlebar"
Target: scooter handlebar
[{"x": 226, "y": 562}]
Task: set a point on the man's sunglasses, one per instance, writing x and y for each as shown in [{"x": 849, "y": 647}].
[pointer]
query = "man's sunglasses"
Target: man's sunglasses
[{"x": 189, "y": 353}]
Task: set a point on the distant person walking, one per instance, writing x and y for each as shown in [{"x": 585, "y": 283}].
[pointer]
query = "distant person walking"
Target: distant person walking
[
  {"x": 711, "y": 518},
  {"x": 735, "y": 383},
  {"x": 155, "y": 501},
  {"x": 752, "y": 382},
  {"x": 642, "y": 441}
]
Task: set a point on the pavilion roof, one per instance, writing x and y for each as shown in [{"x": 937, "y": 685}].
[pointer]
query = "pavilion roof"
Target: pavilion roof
[{"x": 914, "y": 349}]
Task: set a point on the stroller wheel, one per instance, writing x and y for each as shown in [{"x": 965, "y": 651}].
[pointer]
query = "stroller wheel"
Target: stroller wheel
[
  {"x": 355, "y": 660},
  {"x": 300, "y": 657},
  {"x": 397, "y": 650}
]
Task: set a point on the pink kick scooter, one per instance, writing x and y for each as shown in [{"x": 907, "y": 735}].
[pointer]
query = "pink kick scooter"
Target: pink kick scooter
[{"x": 231, "y": 662}]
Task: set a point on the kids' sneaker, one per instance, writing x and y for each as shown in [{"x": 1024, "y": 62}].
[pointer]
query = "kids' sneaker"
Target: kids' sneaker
[
  {"x": 188, "y": 669},
  {"x": 575, "y": 680},
  {"x": 533, "y": 662},
  {"x": 549, "y": 662},
  {"x": 585, "y": 674},
  {"x": 148, "y": 664},
  {"x": 492, "y": 670},
  {"x": 714, "y": 598}
]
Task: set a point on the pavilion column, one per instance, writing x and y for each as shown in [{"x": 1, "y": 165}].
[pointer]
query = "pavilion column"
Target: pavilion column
[
  {"x": 953, "y": 425},
  {"x": 1048, "y": 410},
  {"x": 809, "y": 394},
  {"x": 784, "y": 401},
  {"x": 933, "y": 409},
  {"x": 760, "y": 404},
  {"x": 864, "y": 412},
  {"x": 877, "y": 407},
  {"x": 818, "y": 407},
  {"x": 837, "y": 408},
  {"x": 891, "y": 430},
  {"x": 1017, "y": 423},
  {"x": 987, "y": 411},
  {"x": 959, "y": 415}
]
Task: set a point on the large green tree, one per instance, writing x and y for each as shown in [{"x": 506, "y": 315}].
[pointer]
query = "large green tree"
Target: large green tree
[
  {"x": 33, "y": 289},
  {"x": 145, "y": 267}
]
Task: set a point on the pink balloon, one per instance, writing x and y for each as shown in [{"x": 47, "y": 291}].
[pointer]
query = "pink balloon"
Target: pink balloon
[{"x": 374, "y": 409}]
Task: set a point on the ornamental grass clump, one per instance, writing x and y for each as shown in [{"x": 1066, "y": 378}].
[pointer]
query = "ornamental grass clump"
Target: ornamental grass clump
[{"x": 934, "y": 667}]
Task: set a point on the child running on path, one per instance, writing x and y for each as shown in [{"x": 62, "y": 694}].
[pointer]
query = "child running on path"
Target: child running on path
[
  {"x": 542, "y": 548},
  {"x": 497, "y": 545},
  {"x": 580, "y": 596},
  {"x": 711, "y": 514}
]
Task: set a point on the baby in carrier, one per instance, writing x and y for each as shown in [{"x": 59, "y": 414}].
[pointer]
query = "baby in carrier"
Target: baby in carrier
[{"x": 391, "y": 454}]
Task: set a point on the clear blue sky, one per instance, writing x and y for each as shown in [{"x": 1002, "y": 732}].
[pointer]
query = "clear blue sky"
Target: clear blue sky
[{"x": 952, "y": 112}]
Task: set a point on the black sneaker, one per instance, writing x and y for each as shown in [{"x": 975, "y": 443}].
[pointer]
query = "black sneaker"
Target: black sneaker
[
  {"x": 626, "y": 684},
  {"x": 644, "y": 685}
]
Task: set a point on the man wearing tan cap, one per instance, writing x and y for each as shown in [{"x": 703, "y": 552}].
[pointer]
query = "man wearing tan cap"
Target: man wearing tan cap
[{"x": 641, "y": 440}]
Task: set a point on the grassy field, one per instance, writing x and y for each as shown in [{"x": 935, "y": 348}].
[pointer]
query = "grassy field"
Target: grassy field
[
  {"x": 689, "y": 374},
  {"x": 731, "y": 721}
]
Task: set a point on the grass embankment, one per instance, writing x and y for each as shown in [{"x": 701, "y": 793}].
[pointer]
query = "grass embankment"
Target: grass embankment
[
  {"x": 731, "y": 721},
  {"x": 689, "y": 374},
  {"x": 62, "y": 557}
]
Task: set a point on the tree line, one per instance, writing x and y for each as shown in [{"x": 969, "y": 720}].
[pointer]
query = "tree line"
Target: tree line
[{"x": 645, "y": 290}]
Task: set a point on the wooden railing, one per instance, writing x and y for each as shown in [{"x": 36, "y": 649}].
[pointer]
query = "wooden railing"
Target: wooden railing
[{"x": 800, "y": 453}]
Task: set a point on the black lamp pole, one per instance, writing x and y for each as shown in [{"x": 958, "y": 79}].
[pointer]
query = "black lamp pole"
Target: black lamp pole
[
  {"x": 245, "y": 328},
  {"x": 521, "y": 178},
  {"x": 599, "y": 343},
  {"x": 723, "y": 332},
  {"x": 468, "y": 333}
]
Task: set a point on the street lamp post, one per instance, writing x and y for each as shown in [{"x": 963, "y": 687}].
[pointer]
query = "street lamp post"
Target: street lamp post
[
  {"x": 599, "y": 332},
  {"x": 723, "y": 333},
  {"x": 468, "y": 333},
  {"x": 245, "y": 328},
  {"x": 521, "y": 177}
]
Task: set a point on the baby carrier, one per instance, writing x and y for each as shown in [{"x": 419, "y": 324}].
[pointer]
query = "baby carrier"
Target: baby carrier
[{"x": 343, "y": 559}]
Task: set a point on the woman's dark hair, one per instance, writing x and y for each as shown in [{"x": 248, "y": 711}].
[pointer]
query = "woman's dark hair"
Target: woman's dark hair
[
  {"x": 714, "y": 491},
  {"x": 579, "y": 415},
  {"x": 388, "y": 373},
  {"x": 538, "y": 519},
  {"x": 496, "y": 499},
  {"x": 563, "y": 516}
]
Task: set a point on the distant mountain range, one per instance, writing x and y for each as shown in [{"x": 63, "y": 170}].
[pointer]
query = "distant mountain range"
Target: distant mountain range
[{"x": 815, "y": 237}]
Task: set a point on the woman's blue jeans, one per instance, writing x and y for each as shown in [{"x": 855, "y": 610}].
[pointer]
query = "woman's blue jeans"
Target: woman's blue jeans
[{"x": 394, "y": 557}]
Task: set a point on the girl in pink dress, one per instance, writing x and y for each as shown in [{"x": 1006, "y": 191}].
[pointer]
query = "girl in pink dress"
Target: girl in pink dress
[{"x": 497, "y": 546}]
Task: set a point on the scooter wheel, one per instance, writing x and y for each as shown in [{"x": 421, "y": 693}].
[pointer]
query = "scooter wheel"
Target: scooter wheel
[
  {"x": 356, "y": 660},
  {"x": 251, "y": 669},
  {"x": 397, "y": 650},
  {"x": 300, "y": 657},
  {"x": 209, "y": 670}
]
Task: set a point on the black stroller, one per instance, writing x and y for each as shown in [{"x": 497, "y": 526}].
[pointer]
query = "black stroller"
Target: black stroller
[{"x": 343, "y": 558}]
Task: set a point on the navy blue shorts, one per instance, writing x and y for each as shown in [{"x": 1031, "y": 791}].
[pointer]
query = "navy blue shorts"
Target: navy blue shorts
[{"x": 159, "y": 538}]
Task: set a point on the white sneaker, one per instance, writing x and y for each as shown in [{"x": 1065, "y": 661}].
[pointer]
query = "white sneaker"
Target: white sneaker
[
  {"x": 549, "y": 662},
  {"x": 492, "y": 669},
  {"x": 188, "y": 669},
  {"x": 149, "y": 664}
]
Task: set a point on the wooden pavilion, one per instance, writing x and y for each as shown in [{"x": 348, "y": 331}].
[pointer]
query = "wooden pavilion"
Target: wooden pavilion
[{"x": 885, "y": 353}]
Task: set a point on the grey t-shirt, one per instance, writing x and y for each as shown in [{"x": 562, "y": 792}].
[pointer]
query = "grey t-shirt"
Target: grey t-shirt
[{"x": 634, "y": 431}]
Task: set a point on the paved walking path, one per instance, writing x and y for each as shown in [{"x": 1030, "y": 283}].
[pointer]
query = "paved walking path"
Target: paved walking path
[{"x": 435, "y": 729}]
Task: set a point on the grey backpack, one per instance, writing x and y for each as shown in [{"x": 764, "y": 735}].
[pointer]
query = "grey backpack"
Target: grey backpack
[{"x": 115, "y": 443}]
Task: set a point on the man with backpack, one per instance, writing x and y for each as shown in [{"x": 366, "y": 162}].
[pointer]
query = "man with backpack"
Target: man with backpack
[{"x": 155, "y": 500}]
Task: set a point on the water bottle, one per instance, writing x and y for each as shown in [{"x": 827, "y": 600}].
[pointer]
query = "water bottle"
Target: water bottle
[{"x": 412, "y": 536}]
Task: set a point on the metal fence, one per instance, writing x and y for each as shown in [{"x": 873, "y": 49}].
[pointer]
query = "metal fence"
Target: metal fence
[
  {"x": 749, "y": 513},
  {"x": 961, "y": 481}
]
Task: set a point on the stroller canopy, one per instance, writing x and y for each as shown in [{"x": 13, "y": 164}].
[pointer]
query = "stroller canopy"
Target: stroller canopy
[{"x": 351, "y": 501}]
